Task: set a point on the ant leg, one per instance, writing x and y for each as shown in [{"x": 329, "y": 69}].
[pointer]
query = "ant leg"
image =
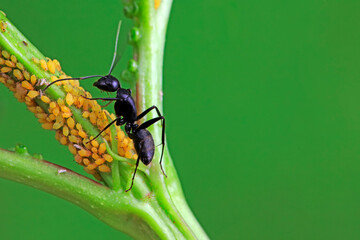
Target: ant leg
[
  {"x": 107, "y": 126},
  {"x": 106, "y": 104},
  {"x": 104, "y": 99},
  {"x": 148, "y": 124},
  {"x": 66, "y": 79},
  {"x": 141, "y": 115},
  {"x": 116, "y": 44},
  {"x": 133, "y": 177}
]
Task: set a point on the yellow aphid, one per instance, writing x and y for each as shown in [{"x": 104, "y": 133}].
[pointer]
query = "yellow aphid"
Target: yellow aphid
[
  {"x": 95, "y": 156},
  {"x": 41, "y": 115},
  {"x": 96, "y": 108},
  {"x": 135, "y": 156},
  {"x": 107, "y": 157},
  {"x": 65, "y": 130},
  {"x": 65, "y": 109},
  {"x": 57, "y": 136},
  {"x": 128, "y": 154},
  {"x": 60, "y": 102},
  {"x": 69, "y": 99},
  {"x": 51, "y": 66},
  {"x": 10, "y": 64},
  {"x": 107, "y": 138},
  {"x": 39, "y": 109},
  {"x": 17, "y": 73},
  {"x": 94, "y": 150},
  {"x": 86, "y": 143},
  {"x": 47, "y": 126},
  {"x": 3, "y": 26},
  {"x": 54, "y": 78},
  {"x": 6, "y": 69},
  {"x": 86, "y": 105},
  {"x": 45, "y": 99},
  {"x": 120, "y": 135},
  {"x": 27, "y": 76},
  {"x": 86, "y": 114},
  {"x": 99, "y": 161},
  {"x": 74, "y": 132},
  {"x": 33, "y": 79},
  {"x": 93, "y": 119},
  {"x": 90, "y": 171},
  {"x": 82, "y": 134},
  {"x": 5, "y": 54},
  {"x": 124, "y": 143},
  {"x": 32, "y": 94},
  {"x": 84, "y": 153},
  {"x": 95, "y": 143},
  {"x": 2, "y": 80},
  {"x": 2, "y": 61},
  {"x": 102, "y": 148},
  {"x": 20, "y": 66},
  {"x": 43, "y": 64},
  {"x": 63, "y": 140},
  {"x": 32, "y": 109},
  {"x": 43, "y": 120},
  {"x": 91, "y": 166},
  {"x": 52, "y": 105},
  {"x": 78, "y": 126},
  {"x": 27, "y": 85},
  {"x": 80, "y": 103},
  {"x": 56, "y": 111},
  {"x": 13, "y": 59},
  {"x": 72, "y": 149},
  {"x": 52, "y": 117},
  {"x": 35, "y": 60},
  {"x": 57, "y": 65},
  {"x": 86, "y": 161},
  {"x": 71, "y": 123},
  {"x": 63, "y": 76},
  {"x": 75, "y": 83},
  {"x": 104, "y": 168},
  {"x": 58, "y": 125},
  {"x": 67, "y": 115},
  {"x": 73, "y": 138},
  {"x": 78, "y": 159}
]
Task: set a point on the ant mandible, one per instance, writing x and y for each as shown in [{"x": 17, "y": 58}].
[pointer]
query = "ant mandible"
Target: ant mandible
[{"x": 126, "y": 113}]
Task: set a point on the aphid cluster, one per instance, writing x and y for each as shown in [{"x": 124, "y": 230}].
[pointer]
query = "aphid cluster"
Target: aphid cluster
[
  {"x": 126, "y": 114},
  {"x": 56, "y": 114}
]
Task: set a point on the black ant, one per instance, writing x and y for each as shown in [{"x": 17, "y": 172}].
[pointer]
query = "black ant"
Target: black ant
[{"x": 126, "y": 113}]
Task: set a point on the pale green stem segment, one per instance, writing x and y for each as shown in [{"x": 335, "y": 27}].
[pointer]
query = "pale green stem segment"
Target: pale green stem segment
[
  {"x": 155, "y": 208},
  {"x": 149, "y": 50}
]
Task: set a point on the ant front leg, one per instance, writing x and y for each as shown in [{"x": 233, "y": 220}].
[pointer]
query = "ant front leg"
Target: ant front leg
[
  {"x": 107, "y": 126},
  {"x": 148, "y": 124},
  {"x": 103, "y": 99}
]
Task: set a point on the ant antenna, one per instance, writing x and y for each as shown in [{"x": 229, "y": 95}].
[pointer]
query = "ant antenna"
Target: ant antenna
[
  {"x": 66, "y": 79},
  {"x": 116, "y": 45}
]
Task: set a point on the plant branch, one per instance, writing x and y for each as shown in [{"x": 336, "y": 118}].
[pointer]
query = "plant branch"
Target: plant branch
[{"x": 155, "y": 208}]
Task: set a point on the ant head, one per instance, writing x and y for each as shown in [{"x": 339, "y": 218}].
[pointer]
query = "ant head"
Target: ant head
[{"x": 108, "y": 83}]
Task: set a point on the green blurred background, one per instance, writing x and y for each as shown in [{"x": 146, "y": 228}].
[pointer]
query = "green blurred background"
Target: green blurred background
[{"x": 262, "y": 107}]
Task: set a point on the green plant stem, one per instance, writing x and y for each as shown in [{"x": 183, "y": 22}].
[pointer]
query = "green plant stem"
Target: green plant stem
[
  {"x": 149, "y": 51},
  {"x": 123, "y": 212}
]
